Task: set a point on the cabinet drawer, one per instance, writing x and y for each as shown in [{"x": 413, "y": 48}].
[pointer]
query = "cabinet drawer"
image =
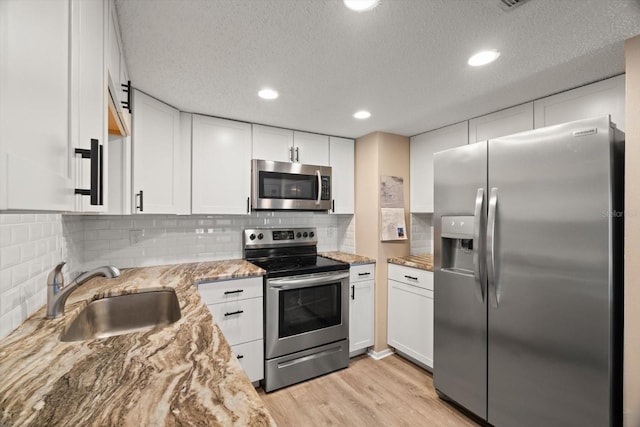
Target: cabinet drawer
[
  {"x": 251, "y": 357},
  {"x": 359, "y": 273},
  {"x": 240, "y": 321},
  {"x": 230, "y": 290},
  {"x": 411, "y": 276}
]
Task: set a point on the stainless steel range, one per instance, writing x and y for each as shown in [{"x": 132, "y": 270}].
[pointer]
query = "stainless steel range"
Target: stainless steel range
[{"x": 306, "y": 305}]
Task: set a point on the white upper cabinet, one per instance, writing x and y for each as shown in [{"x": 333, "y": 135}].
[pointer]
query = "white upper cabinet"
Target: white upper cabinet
[
  {"x": 35, "y": 149},
  {"x": 221, "y": 166},
  {"x": 597, "y": 99},
  {"x": 88, "y": 100},
  {"x": 285, "y": 145},
  {"x": 422, "y": 148},
  {"x": 311, "y": 148},
  {"x": 501, "y": 123},
  {"x": 270, "y": 143},
  {"x": 342, "y": 161},
  {"x": 161, "y": 158}
]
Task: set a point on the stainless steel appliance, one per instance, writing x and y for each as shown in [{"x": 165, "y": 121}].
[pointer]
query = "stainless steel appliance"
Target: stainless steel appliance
[
  {"x": 528, "y": 276},
  {"x": 282, "y": 185},
  {"x": 306, "y": 305}
]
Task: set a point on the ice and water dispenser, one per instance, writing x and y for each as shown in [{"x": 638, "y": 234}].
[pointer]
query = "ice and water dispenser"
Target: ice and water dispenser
[{"x": 457, "y": 243}]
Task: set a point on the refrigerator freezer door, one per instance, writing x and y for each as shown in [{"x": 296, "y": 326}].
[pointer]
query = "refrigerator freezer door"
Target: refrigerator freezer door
[
  {"x": 460, "y": 309},
  {"x": 550, "y": 327}
]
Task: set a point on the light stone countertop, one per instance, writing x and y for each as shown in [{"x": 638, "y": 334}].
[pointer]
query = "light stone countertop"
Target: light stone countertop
[
  {"x": 422, "y": 261},
  {"x": 181, "y": 374},
  {"x": 348, "y": 258}
]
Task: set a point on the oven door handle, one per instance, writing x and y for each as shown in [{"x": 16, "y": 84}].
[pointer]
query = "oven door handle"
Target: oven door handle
[{"x": 305, "y": 281}]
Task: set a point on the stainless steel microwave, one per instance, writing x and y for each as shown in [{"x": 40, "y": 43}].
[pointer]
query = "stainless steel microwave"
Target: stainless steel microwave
[{"x": 294, "y": 186}]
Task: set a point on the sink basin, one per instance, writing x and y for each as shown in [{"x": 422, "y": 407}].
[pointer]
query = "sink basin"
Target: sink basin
[{"x": 124, "y": 314}]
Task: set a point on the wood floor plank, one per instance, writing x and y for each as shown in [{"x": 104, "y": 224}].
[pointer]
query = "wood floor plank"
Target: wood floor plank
[{"x": 387, "y": 392}]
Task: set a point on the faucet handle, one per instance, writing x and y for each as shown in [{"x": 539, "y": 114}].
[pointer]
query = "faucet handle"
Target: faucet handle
[{"x": 56, "y": 278}]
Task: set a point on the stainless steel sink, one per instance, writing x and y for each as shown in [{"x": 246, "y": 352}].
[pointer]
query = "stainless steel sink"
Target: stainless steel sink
[{"x": 124, "y": 314}]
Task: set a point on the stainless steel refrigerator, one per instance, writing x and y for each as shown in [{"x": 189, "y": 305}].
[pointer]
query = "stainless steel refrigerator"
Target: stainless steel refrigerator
[{"x": 528, "y": 235}]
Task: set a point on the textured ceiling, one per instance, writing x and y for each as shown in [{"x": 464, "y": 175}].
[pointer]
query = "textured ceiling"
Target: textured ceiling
[{"x": 405, "y": 61}]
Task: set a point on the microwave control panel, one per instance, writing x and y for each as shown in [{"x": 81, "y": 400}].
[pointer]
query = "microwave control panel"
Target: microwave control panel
[{"x": 326, "y": 188}]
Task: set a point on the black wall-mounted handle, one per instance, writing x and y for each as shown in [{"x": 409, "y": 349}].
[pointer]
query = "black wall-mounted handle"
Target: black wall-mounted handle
[
  {"x": 237, "y": 291},
  {"x": 234, "y": 312},
  {"x": 96, "y": 187},
  {"x": 140, "y": 197},
  {"x": 127, "y": 89}
]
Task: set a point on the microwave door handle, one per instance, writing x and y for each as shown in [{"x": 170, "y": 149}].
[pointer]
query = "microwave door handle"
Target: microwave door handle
[{"x": 319, "y": 187}]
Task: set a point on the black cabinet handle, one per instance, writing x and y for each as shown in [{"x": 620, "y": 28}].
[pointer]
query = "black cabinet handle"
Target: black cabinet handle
[
  {"x": 96, "y": 186},
  {"x": 411, "y": 277},
  {"x": 364, "y": 274},
  {"x": 240, "y": 356},
  {"x": 140, "y": 195},
  {"x": 234, "y": 312},
  {"x": 126, "y": 88},
  {"x": 248, "y": 204},
  {"x": 333, "y": 205},
  {"x": 353, "y": 291},
  {"x": 237, "y": 291}
]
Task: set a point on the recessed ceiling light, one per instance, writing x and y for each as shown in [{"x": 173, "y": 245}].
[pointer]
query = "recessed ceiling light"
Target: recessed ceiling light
[
  {"x": 361, "y": 5},
  {"x": 362, "y": 115},
  {"x": 483, "y": 57},
  {"x": 268, "y": 94}
]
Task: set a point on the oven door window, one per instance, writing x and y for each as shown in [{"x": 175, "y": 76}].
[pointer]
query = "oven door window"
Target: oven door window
[
  {"x": 309, "y": 309},
  {"x": 277, "y": 185}
]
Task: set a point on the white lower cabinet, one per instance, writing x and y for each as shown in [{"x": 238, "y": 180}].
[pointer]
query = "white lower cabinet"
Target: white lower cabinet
[
  {"x": 236, "y": 306},
  {"x": 410, "y": 315},
  {"x": 361, "y": 307}
]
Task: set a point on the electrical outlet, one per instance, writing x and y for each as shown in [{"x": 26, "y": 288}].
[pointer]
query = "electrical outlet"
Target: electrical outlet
[{"x": 135, "y": 236}]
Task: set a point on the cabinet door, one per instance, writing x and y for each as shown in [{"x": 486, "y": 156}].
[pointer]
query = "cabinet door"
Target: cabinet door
[
  {"x": 35, "y": 149},
  {"x": 158, "y": 157},
  {"x": 501, "y": 123},
  {"x": 221, "y": 166},
  {"x": 597, "y": 99},
  {"x": 270, "y": 143},
  {"x": 311, "y": 148},
  {"x": 361, "y": 315},
  {"x": 410, "y": 321},
  {"x": 113, "y": 48},
  {"x": 422, "y": 148},
  {"x": 88, "y": 99},
  {"x": 342, "y": 161}
]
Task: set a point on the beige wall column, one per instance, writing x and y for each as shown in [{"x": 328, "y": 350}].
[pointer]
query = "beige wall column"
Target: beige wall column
[
  {"x": 632, "y": 236},
  {"x": 379, "y": 154}
]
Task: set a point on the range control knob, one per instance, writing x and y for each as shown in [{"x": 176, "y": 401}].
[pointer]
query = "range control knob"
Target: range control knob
[
  {"x": 299, "y": 235},
  {"x": 260, "y": 236},
  {"x": 252, "y": 236},
  {"x": 312, "y": 234},
  {"x": 304, "y": 234}
]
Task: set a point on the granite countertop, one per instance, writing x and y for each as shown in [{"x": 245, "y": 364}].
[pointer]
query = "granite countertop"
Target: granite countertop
[
  {"x": 182, "y": 374},
  {"x": 422, "y": 261},
  {"x": 348, "y": 258}
]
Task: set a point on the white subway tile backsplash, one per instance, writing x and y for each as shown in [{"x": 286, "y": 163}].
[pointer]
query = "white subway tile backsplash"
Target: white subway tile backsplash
[{"x": 421, "y": 233}]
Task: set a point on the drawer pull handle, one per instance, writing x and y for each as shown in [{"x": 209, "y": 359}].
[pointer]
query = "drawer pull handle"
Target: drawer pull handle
[
  {"x": 234, "y": 312},
  {"x": 237, "y": 291},
  {"x": 364, "y": 274},
  {"x": 240, "y": 356},
  {"x": 411, "y": 277}
]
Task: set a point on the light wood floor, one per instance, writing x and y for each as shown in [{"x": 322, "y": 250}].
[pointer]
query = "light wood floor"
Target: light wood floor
[{"x": 387, "y": 392}]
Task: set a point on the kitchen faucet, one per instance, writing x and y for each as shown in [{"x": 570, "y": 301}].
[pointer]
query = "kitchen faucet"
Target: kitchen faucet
[{"x": 57, "y": 292}]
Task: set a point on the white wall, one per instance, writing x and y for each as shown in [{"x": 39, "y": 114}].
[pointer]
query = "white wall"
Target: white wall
[
  {"x": 421, "y": 233},
  {"x": 170, "y": 239},
  {"x": 30, "y": 246}
]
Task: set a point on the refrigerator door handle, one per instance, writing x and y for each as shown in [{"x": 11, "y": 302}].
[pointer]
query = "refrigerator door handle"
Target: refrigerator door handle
[
  {"x": 477, "y": 268},
  {"x": 491, "y": 240}
]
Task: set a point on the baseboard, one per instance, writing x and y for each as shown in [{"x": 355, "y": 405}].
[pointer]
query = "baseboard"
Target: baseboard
[{"x": 377, "y": 355}]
